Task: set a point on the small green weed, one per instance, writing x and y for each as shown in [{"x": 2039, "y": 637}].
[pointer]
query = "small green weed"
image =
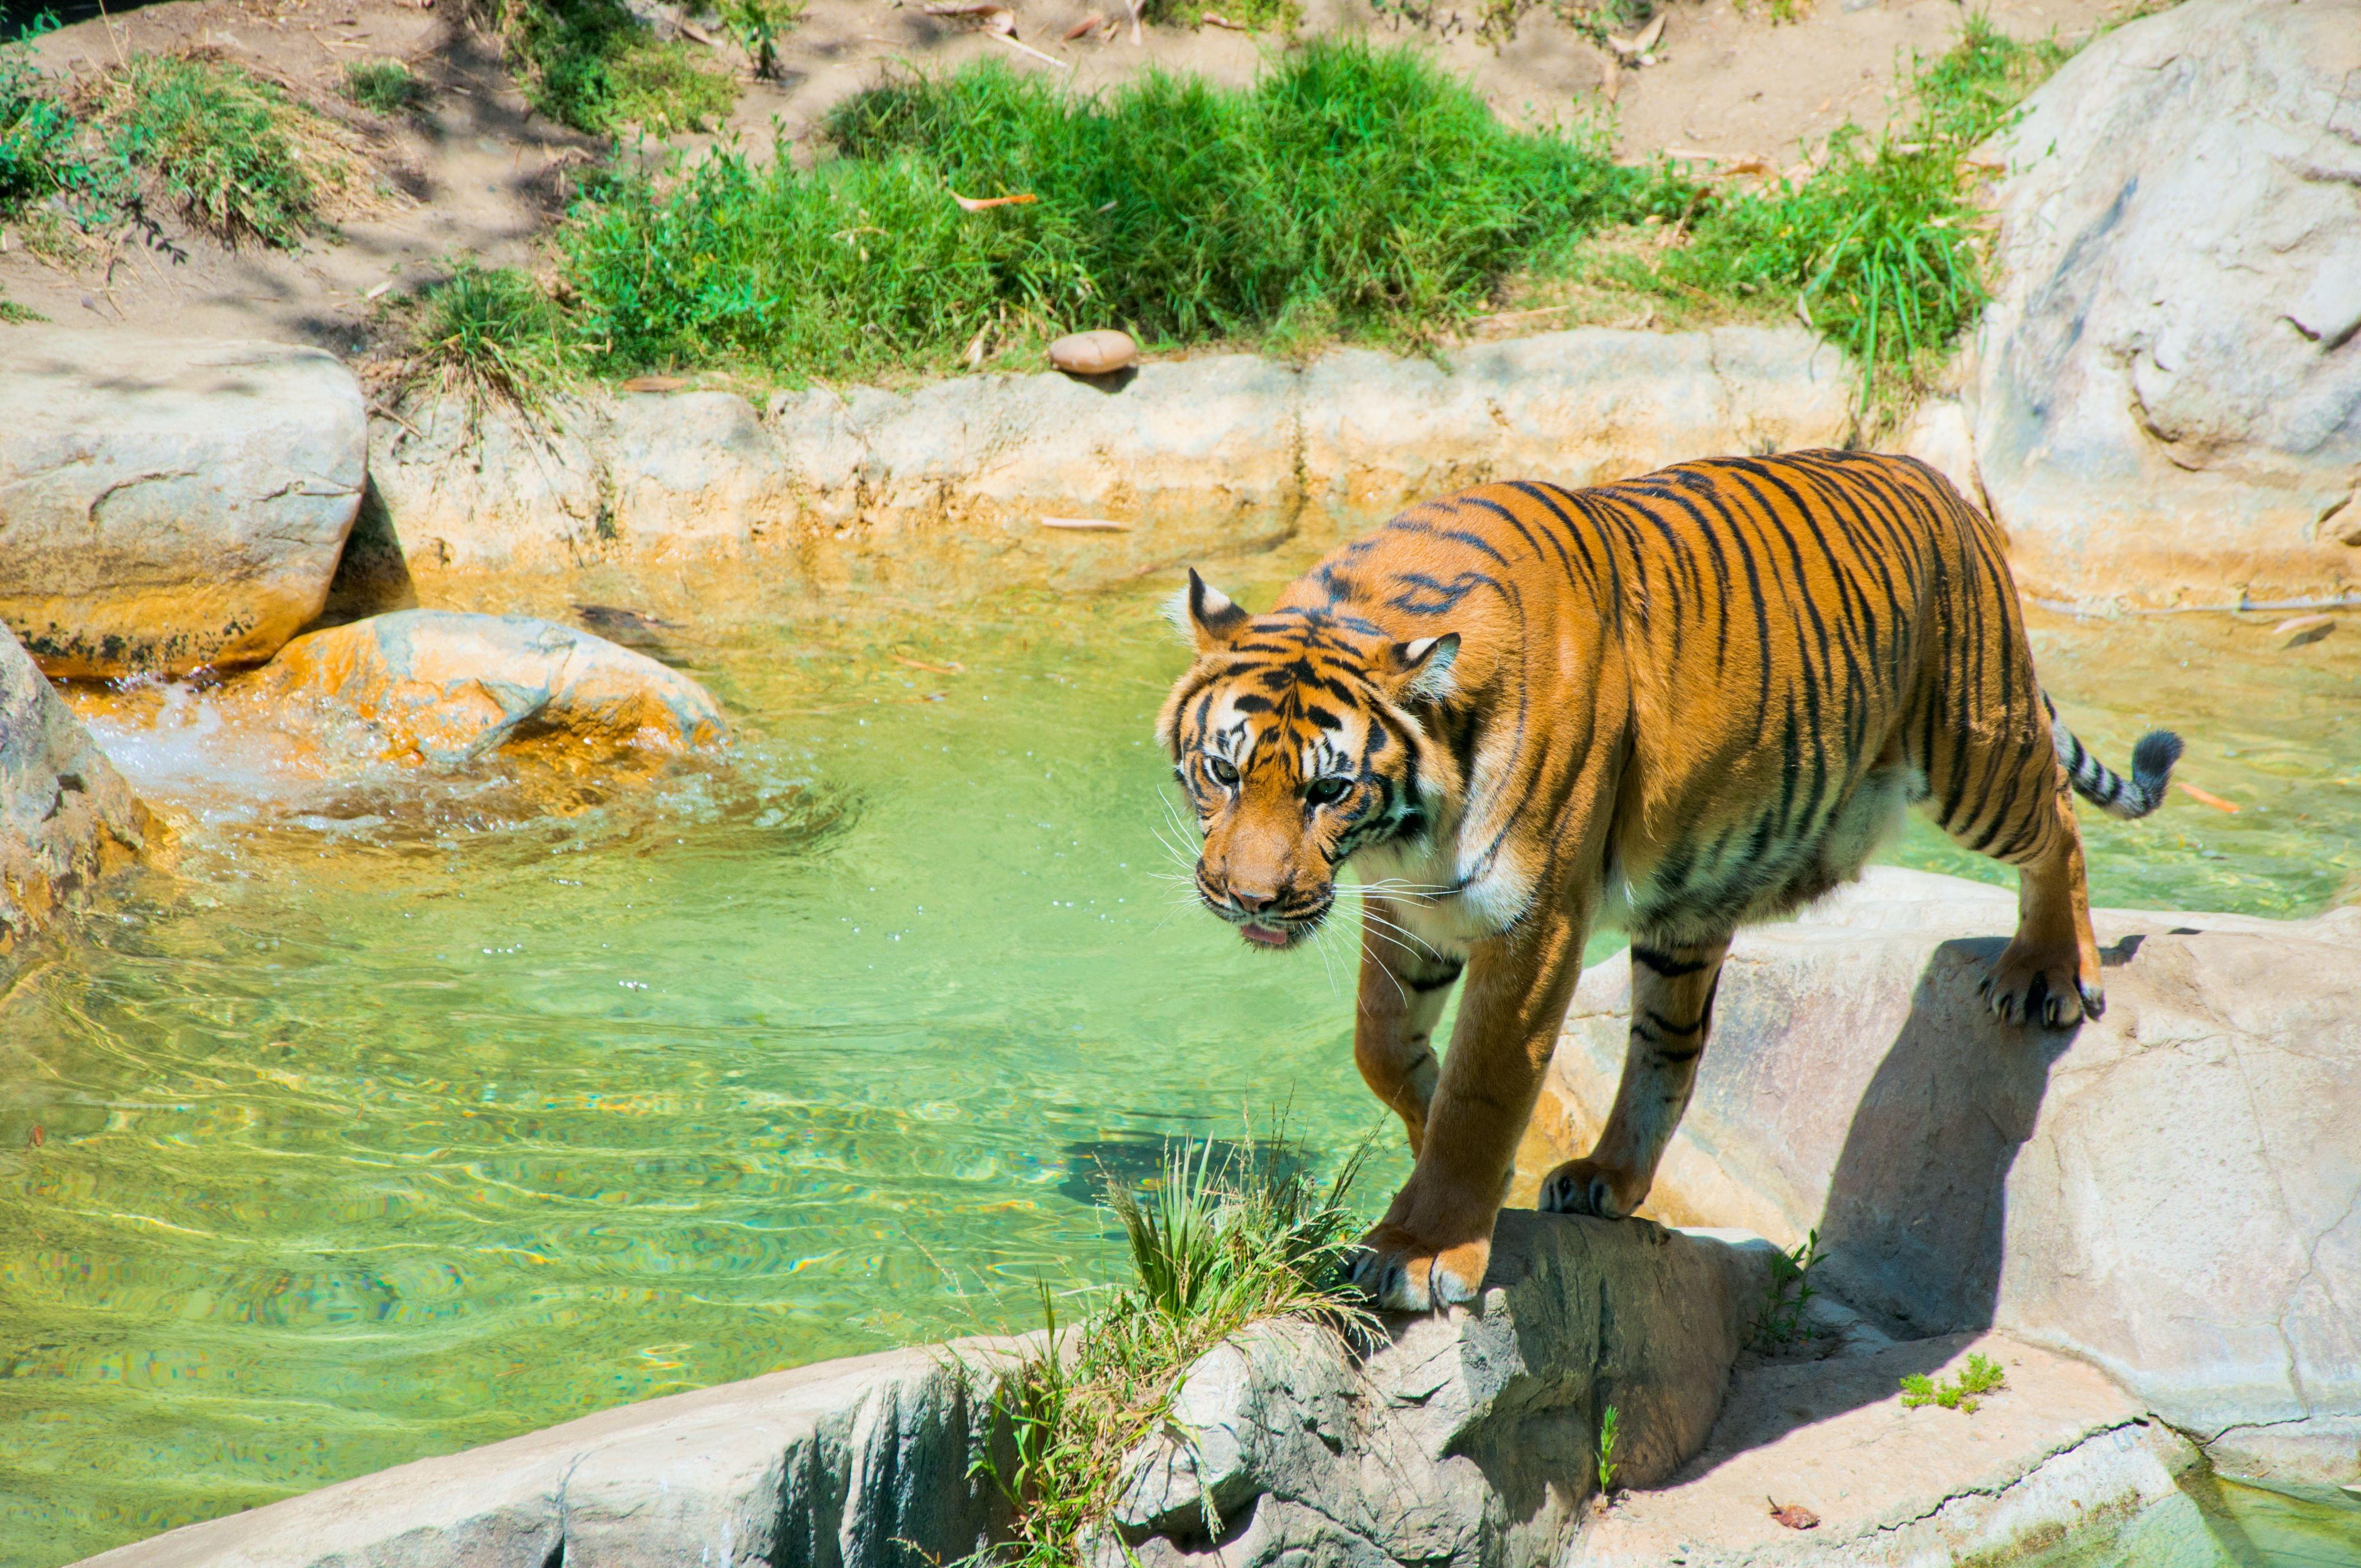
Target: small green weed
[
  {"x": 1789, "y": 1292},
  {"x": 12, "y": 313},
  {"x": 1609, "y": 1422},
  {"x": 758, "y": 25},
  {"x": 1353, "y": 191},
  {"x": 383, "y": 86},
  {"x": 1214, "y": 1246},
  {"x": 223, "y": 142},
  {"x": 593, "y": 65},
  {"x": 41, "y": 141},
  {"x": 1980, "y": 1376},
  {"x": 490, "y": 333}
]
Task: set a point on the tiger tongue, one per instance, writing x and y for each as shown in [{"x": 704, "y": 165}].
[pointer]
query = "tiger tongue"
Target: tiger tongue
[{"x": 1264, "y": 935}]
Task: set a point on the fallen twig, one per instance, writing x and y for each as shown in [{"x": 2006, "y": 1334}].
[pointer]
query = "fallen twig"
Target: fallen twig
[
  {"x": 1086, "y": 525},
  {"x": 979, "y": 203}
]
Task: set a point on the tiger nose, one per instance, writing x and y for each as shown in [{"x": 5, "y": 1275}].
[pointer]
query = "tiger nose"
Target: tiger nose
[{"x": 1252, "y": 902}]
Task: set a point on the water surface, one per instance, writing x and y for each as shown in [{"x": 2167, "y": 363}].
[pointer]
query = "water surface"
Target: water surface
[{"x": 406, "y": 1115}]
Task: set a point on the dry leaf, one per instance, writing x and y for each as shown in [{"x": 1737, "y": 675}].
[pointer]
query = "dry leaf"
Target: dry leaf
[
  {"x": 1795, "y": 1515},
  {"x": 655, "y": 383},
  {"x": 689, "y": 29},
  {"x": 1632, "y": 48},
  {"x": 978, "y": 203},
  {"x": 1210, "y": 19},
  {"x": 1092, "y": 23},
  {"x": 2204, "y": 798}
]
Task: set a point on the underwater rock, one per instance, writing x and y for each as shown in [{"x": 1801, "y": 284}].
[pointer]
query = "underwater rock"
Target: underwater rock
[
  {"x": 2171, "y": 1191},
  {"x": 66, "y": 816},
  {"x": 448, "y": 687},
  {"x": 2170, "y": 388},
  {"x": 1461, "y": 1439},
  {"x": 166, "y": 505}
]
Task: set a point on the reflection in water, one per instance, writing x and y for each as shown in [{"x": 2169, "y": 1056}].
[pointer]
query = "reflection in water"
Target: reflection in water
[{"x": 414, "y": 1111}]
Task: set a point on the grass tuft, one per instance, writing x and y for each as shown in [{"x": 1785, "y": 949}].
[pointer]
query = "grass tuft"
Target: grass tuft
[
  {"x": 758, "y": 25},
  {"x": 593, "y": 65},
  {"x": 1789, "y": 1292},
  {"x": 1352, "y": 191},
  {"x": 489, "y": 334},
  {"x": 223, "y": 142},
  {"x": 1214, "y": 1246},
  {"x": 383, "y": 86},
  {"x": 1980, "y": 1376}
]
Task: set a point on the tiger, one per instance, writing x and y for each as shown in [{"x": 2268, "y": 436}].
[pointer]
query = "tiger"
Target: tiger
[{"x": 1671, "y": 705}]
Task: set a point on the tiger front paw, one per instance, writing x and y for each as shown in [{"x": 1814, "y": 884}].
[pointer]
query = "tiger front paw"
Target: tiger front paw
[
  {"x": 2043, "y": 985},
  {"x": 1586, "y": 1187},
  {"x": 1400, "y": 1273}
]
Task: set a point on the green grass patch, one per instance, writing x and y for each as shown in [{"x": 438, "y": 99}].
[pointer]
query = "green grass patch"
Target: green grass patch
[
  {"x": 1353, "y": 191},
  {"x": 1881, "y": 249},
  {"x": 239, "y": 156},
  {"x": 383, "y": 86},
  {"x": 593, "y": 65},
  {"x": 1980, "y": 1376},
  {"x": 490, "y": 334},
  {"x": 1214, "y": 1246}
]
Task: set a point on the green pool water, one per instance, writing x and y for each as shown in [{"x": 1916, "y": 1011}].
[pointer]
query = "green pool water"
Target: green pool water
[{"x": 400, "y": 1118}]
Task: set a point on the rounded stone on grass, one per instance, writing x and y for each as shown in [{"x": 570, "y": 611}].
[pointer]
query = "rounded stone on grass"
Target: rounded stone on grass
[{"x": 1100, "y": 353}]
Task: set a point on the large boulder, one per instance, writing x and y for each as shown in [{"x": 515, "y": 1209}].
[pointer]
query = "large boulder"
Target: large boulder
[
  {"x": 166, "y": 505},
  {"x": 445, "y": 687},
  {"x": 66, "y": 816},
  {"x": 1468, "y": 1439},
  {"x": 2169, "y": 373},
  {"x": 2171, "y": 1191},
  {"x": 849, "y": 1463}
]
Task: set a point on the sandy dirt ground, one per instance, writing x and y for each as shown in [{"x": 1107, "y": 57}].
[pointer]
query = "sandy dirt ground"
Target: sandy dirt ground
[{"x": 477, "y": 173}]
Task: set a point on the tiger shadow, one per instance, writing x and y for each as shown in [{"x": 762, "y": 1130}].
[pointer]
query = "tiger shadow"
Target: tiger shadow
[{"x": 1912, "y": 1229}]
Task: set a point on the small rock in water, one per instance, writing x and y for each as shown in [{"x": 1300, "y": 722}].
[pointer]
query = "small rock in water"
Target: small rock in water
[
  {"x": 630, "y": 628},
  {"x": 2303, "y": 629},
  {"x": 448, "y": 687},
  {"x": 1094, "y": 353}
]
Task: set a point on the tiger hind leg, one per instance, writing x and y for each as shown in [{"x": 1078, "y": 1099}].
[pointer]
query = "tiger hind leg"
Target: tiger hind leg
[{"x": 1673, "y": 988}]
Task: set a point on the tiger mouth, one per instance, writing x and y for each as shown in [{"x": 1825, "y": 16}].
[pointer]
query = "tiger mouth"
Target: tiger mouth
[{"x": 1275, "y": 933}]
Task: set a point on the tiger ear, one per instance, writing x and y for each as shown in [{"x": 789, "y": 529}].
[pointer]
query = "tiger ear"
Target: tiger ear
[
  {"x": 1205, "y": 616},
  {"x": 1420, "y": 669}
]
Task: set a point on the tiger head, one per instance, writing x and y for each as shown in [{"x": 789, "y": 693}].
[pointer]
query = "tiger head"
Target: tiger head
[{"x": 1301, "y": 737}]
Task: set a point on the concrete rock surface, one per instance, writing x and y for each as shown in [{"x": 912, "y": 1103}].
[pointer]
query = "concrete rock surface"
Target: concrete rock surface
[
  {"x": 2170, "y": 380},
  {"x": 2172, "y": 1193},
  {"x": 449, "y": 685},
  {"x": 2058, "y": 1449},
  {"x": 948, "y": 483},
  {"x": 845, "y": 1464},
  {"x": 1464, "y": 1439},
  {"x": 166, "y": 505},
  {"x": 66, "y": 816}
]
